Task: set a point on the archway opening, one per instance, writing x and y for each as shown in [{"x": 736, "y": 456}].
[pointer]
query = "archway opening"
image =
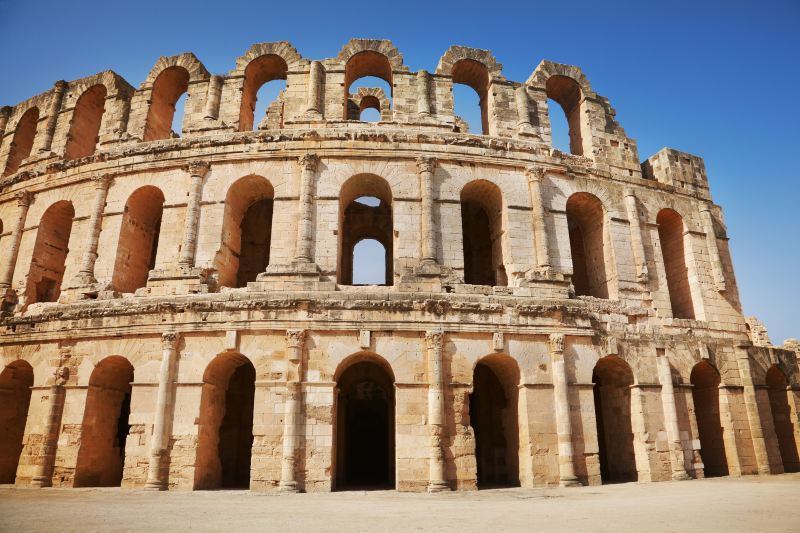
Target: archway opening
[
  {"x": 612, "y": 378},
  {"x": 493, "y": 415},
  {"x": 474, "y": 75},
  {"x": 15, "y": 398},
  {"x": 22, "y": 143},
  {"x": 671, "y": 235},
  {"x": 369, "y": 108},
  {"x": 782, "y": 416},
  {"x": 168, "y": 88},
  {"x": 264, "y": 80},
  {"x": 482, "y": 230},
  {"x": 705, "y": 394},
  {"x": 365, "y": 427},
  {"x": 225, "y": 429},
  {"x": 567, "y": 93},
  {"x": 369, "y": 263},
  {"x": 587, "y": 242},
  {"x": 48, "y": 261},
  {"x": 86, "y": 119},
  {"x": 367, "y": 69},
  {"x": 138, "y": 239},
  {"x": 101, "y": 456}
]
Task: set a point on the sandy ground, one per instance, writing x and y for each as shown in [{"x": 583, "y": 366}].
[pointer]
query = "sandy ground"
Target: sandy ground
[{"x": 728, "y": 504}]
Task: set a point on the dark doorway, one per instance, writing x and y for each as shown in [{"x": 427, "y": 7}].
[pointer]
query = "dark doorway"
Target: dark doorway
[
  {"x": 16, "y": 380},
  {"x": 256, "y": 235},
  {"x": 705, "y": 394},
  {"x": 612, "y": 406},
  {"x": 782, "y": 417}
]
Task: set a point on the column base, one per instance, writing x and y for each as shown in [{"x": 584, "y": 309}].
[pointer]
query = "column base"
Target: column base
[
  {"x": 41, "y": 482},
  {"x": 288, "y": 487},
  {"x": 294, "y": 276},
  {"x": 569, "y": 482},
  {"x": 680, "y": 476},
  {"x": 438, "y": 486},
  {"x": 155, "y": 486}
]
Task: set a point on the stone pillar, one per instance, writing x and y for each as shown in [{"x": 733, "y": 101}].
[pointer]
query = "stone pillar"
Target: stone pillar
[
  {"x": 315, "y": 75},
  {"x": 52, "y": 115},
  {"x": 636, "y": 236},
  {"x": 197, "y": 171},
  {"x": 212, "y": 98},
  {"x": 9, "y": 262},
  {"x": 5, "y": 113},
  {"x": 753, "y": 416},
  {"x": 523, "y": 108},
  {"x": 55, "y": 409},
  {"x": 295, "y": 339},
  {"x": 305, "y": 225},
  {"x": 426, "y": 166},
  {"x": 436, "y": 391},
  {"x": 676, "y": 456},
  {"x": 159, "y": 446},
  {"x": 535, "y": 177},
  {"x": 713, "y": 249},
  {"x": 85, "y": 276},
  {"x": 566, "y": 466},
  {"x": 423, "y": 94}
]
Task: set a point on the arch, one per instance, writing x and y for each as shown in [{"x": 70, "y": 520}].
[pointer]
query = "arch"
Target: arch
[
  {"x": 48, "y": 261},
  {"x": 706, "y": 380},
  {"x": 168, "y": 87},
  {"x": 359, "y": 220},
  {"x": 483, "y": 227},
  {"x": 369, "y": 98},
  {"x": 494, "y": 418},
  {"x": 364, "y": 424},
  {"x": 22, "y": 143},
  {"x": 225, "y": 425},
  {"x": 475, "y": 75},
  {"x": 671, "y": 234},
  {"x": 16, "y": 380},
  {"x": 785, "y": 429},
  {"x": 362, "y": 64},
  {"x": 589, "y": 245},
  {"x": 246, "y": 231},
  {"x": 86, "y": 119},
  {"x": 261, "y": 70},
  {"x": 567, "y": 93},
  {"x": 105, "y": 427},
  {"x": 138, "y": 239},
  {"x": 612, "y": 406}
]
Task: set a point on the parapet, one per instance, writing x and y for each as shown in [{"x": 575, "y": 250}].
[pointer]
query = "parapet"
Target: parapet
[{"x": 685, "y": 172}]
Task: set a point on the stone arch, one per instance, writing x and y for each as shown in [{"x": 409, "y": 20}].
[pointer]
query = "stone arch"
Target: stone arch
[
  {"x": 138, "y": 239},
  {"x": 187, "y": 61},
  {"x": 369, "y": 98},
  {"x": 86, "y": 120},
  {"x": 225, "y": 423},
  {"x": 364, "y": 425},
  {"x": 494, "y": 418},
  {"x": 483, "y": 229},
  {"x": 381, "y": 47},
  {"x": 281, "y": 49},
  {"x": 22, "y": 142},
  {"x": 246, "y": 231},
  {"x": 16, "y": 380},
  {"x": 613, "y": 378},
  {"x": 705, "y": 380},
  {"x": 785, "y": 423},
  {"x": 105, "y": 427},
  {"x": 359, "y": 221},
  {"x": 671, "y": 234},
  {"x": 589, "y": 245},
  {"x": 456, "y": 53},
  {"x": 261, "y": 70},
  {"x": 167, "y": 89},
  {"x": 48, "y": 261}
]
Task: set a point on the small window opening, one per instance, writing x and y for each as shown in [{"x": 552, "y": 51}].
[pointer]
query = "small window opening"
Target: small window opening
[{"x": 471, "y": 80}]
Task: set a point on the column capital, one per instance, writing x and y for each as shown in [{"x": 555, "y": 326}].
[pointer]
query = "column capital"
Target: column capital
[
  {"x": 295, "y": 338},
  {"x": 426, "y": 164},
  {"x": 628, "y": 191},
  {"x": 102, "y": 181},
  {"x": 24, "y": 198},
  {"x": 61, "y": 376},
  {"x": 169, "y": 340},
  {"x": 556, "y": 343},
  {"x": 434, "y": 338},
  {"x": 309, "y": 161},
  {"x": 705, "y": 207},
  {"x": 534, "y": 173},
  {"x": 198, "y": 167}
]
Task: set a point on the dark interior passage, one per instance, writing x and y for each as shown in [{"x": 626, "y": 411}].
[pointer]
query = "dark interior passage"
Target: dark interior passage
[
  {"x": 256, "y": 234},
  {"x": 482, "y": 230},
  {"x": 705, "y": 395},
  {"x": 782, "y": 417},
  {"x": 16, "y": 380},
  {"x": 612, "y": 404}
]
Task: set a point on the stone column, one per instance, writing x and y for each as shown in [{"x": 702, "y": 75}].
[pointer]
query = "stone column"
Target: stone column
[
  {"x": 676, "y": 456},
  {"x": 295, "y": 339},
  {"x": 713, "y": 249},
  {"x": 159, "y": 446},
  {"x": 436, "y": 391},
  {"x": 212, "y": 98},
  {"x": 636, "y": 236},
  {"x": 5, "y": 113},
  {"x": 535, "y": 177},
  {"x": 52, "y": 115},
  {"x": 55, "y": 409},
  {"x": 197, "y": 171},
  {"x": 315, "y": 74},
  {"x": 753, "y": 416},
  {"x": 305, "y": 225},
  {"x": 426, "y": 166},
  {"x": 566, "y": 466},
  {"x": 24, "y": 199},
  {"x": 85, "y": 276},
  {"x": 523, "y": 108},
  {"x": 423, "y": 94}
]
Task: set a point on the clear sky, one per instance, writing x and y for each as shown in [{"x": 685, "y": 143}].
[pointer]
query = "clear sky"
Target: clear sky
[{"x": 711, "y": 78}]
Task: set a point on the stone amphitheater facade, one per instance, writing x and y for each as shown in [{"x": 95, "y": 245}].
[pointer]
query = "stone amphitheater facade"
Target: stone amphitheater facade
[{"x": 179, "y": 311}]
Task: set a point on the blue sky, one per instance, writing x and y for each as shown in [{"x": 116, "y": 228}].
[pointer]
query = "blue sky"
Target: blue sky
[{"x": 711, "y": 78}]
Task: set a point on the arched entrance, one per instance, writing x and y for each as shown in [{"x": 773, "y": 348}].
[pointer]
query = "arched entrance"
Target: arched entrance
[
  {"x": 225, "y": 431},
  {"x": 495, "y": 422},
  {"x": 612, "y": 407},
  {"x": 365, "y": 426},
  {"x": 782, "y": 416},
  {"x": 705, "y": 395},
  {"x": 15, "y": 397},
  {"x": 101, "y": 456}
]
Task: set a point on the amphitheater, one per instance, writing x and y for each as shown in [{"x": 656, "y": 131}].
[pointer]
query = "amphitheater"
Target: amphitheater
[{"x": 179, "y": 310}]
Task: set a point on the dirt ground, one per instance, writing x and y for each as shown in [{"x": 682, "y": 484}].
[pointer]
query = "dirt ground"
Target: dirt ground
[{"x": 752, "y": 503}]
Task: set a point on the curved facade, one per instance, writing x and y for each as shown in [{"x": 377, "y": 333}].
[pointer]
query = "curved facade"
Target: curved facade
[{"x": 179, "y": 309}]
